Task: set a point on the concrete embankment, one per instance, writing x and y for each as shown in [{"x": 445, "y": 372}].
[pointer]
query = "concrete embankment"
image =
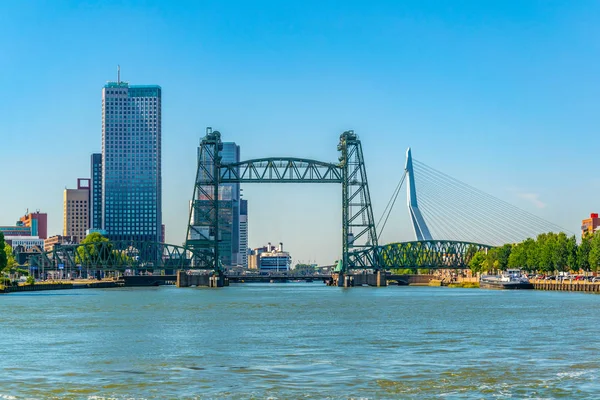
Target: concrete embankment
[
  {"x": 567, "y": 286},
  {"x": 59, "y": 286}
]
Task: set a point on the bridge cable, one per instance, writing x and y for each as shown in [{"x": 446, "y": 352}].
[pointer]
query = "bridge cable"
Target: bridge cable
[
  {"x": 393, "y": 203},
  {"x": 511, "y": 215},
  {"x": 390, "y": 202},
  {"x": 437, "y": 183},
  {"x": 463, "y": 209},
  {"x": 505, "y": 205}
]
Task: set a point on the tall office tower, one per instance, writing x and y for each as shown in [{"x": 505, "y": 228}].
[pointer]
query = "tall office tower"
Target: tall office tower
[
  {"x": 244, "y": 233},
  {"x": 96, "y": 191},
  {"x": 131, "y": 162},
  {"x": 76, "y": 209}
]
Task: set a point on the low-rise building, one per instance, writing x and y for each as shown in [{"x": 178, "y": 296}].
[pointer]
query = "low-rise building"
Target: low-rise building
[
  {"x": 25, "y": 242},
  {"x": 590, "y": 225},
  {"x": 59, "y": 239},
  {"x": 274, "y": 259}
]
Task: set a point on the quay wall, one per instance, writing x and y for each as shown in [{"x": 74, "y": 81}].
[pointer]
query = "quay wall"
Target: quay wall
[{"x": 568, "y": 286}]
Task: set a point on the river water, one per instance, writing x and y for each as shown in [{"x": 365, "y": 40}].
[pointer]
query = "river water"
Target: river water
[{"x": 284, "y": 341}]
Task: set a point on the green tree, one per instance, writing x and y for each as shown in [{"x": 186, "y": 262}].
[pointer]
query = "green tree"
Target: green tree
[
  {"x": 572, "y": 254},
  {"x": 594, "y": 257},
  {"x": 518, "y": 256},
  {"x": 560, "y": 255},
  {"x": 532, "y": 250},
  {"x": 477, "y": 262},
  {"x": 11, "y": 262},
  {"x": 546, "y": 244},
  {"x": 96, "y": 249},
  {"x": 583, "y": 253},
  {"x": 503, "y": 256},
  {"x": 3, "y": 254},
  {"x": 491, "y": 260}
]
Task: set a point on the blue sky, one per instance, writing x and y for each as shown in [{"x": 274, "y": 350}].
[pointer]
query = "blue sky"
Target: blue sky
[{"x": 502, "y": 95}]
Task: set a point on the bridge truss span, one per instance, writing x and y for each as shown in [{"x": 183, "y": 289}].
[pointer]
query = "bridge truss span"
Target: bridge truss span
[
  {"x": 281, "y": 170},
  {"x": 430, "y": 254},
  {"x": 120, "y": 256}
]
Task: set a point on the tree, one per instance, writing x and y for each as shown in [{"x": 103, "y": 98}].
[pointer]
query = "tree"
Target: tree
[
  {"x": 518, "y": 256},
  {"x": 594, "y": 256},
  {"x": 96, "y": 249},
  {"x": 503, "y": 256},
  {"x": 546, "y": 244},
  {"x": 583, "y": 253},
  {"x": 477, "y": 262},
  {"x": 3, "y": 255},
  {"x": 11, "y": 262},
  {"x": 572, "y": 254},
  {"x": 560, "y": 255}
]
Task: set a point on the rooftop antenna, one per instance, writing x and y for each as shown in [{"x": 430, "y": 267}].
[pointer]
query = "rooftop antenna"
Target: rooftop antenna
[{"x": 118, "y": 74}]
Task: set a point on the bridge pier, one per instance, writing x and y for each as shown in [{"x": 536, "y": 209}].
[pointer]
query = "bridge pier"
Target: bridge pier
[
  {"x": 377, "y": 279},
  {"x": 185, "y": 280}
]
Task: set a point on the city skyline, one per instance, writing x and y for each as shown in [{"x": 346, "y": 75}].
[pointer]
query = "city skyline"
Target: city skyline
[{"x": 506, "y": 106}]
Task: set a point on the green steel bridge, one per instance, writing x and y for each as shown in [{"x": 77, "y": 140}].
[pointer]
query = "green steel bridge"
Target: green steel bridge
[{"x": 479, "y": 222}]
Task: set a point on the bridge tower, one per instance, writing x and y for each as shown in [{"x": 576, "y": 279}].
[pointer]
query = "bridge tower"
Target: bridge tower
[
  {"x": 418, "y": 222},
  {"x": 203, "y": 223},
  {"x": 359, "y": 236}
]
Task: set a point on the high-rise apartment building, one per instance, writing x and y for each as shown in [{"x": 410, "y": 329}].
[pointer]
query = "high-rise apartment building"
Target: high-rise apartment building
[
  {"x": 96, "y": 191},
  {"x": 243, "y": 233},
  {"x": 76, "y": 210},
  {"x": 131, "y": 161}
]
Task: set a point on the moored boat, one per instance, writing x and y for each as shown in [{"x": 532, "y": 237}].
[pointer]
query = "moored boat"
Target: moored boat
[{"x": 510, "y": 279}]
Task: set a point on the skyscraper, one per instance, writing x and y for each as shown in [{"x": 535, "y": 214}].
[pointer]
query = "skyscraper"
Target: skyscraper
[
  {"x": 96, "y": 191},
  {"x": 131, "y": 161}
]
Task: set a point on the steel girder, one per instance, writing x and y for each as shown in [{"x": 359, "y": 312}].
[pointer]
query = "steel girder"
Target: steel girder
[
  {"x": 280, "y": 170},
  {"x": 429, "y": 254},
  {"x": 121, "y": 255},
  {"x": 359, "y": 236}
]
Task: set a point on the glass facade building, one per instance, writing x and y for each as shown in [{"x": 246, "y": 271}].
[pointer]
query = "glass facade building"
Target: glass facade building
[
  {"x": 229, "y": 208},
  {"x": 131, "y": 162},
  {"x": 96, "y": 191}
]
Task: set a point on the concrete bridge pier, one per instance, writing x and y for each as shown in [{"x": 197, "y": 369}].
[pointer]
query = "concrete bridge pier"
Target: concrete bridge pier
[
  {"x": 376, "y": 279},
  {"x": 185, "y": 280}
]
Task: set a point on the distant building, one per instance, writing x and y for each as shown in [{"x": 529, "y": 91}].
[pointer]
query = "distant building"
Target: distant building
[
  {"x": 131, "y": 161},
  {"x": 273, "y": 259},
  {"x": 96, "y": 191},
  {"x": 254, "y": 255},
  {"x": 243, "y": 233},
  {"x": 38, "y": 222},
  {"x": 163, "y": 233},
  {"x": 590, "y": 225},
  {"x": 16, "y": 230},
  {"x": 76, "y": 210},
  {"x": 25, "y": 242},
  {"x": 59, "y": 239}
]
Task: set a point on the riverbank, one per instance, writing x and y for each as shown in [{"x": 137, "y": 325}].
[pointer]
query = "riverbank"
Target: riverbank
[{"x": 57, "y": 285}]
